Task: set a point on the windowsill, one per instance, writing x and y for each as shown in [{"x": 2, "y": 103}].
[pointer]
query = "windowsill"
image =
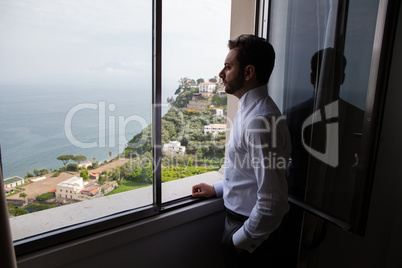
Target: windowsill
[{"x": 55, "y": 218}]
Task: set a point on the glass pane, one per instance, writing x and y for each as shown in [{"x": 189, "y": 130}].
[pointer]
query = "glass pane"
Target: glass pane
[
  {"x": 320, "y": 80},
  {"x": 195, "y": 35},
  {"x": 75, "y": 86}
]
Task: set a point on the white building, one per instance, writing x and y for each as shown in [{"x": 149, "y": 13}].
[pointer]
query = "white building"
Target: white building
[
  {"x": 207, "y": 87},
  {"x": 214, "y": 129},
  {"x": 84, "y": 165},
  {"x": 75, "y": 188},
  {"x": 70, "y": 188},
  {"x": 219, "y": 112},
  {"x": 174, "y": 146},
  {"x": 13, "y": 182}
]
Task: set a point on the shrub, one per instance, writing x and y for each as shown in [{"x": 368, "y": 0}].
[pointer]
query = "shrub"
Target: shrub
[
  {"x": 44, "y": 197},
  {"x": 84, "y": 175},
  {"x": 72, "y": 167},
  {"x": 18, "y": 211}
]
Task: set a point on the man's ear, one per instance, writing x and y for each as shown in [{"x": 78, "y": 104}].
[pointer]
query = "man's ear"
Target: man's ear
[{"x": 249, "y": 72}]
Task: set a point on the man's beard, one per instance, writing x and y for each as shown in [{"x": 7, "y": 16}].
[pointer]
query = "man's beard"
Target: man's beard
[{"x": 235, "y": 85}]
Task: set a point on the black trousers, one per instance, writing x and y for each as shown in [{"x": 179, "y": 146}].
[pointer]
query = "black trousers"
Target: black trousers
[{"x": 273, "y": 252}]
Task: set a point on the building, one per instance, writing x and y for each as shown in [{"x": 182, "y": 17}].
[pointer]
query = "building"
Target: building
[
  {"x": 219, "y": 112},
  {"x": 13, "y": 182},
  {"x": 85, "y": 165},
  {"x": 95, "y": 175},
  {"x": 174, "y": 146},
  {"x": 91, "y": 190},
  {"x": 208, "y": 87},
  {"x": 70, "y": 188},
  {"x": 8, "y": 190},
  {"x": 220, "y": 88},
  {"x": 75, "y": 188},
  {"x": 214, "y": 129}
]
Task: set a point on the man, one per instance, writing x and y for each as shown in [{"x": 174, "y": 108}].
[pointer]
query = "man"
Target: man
[{"x": 254, "y": 186}]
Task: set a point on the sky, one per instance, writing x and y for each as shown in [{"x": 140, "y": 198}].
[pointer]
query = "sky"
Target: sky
[{"x": 90, "y": 42}]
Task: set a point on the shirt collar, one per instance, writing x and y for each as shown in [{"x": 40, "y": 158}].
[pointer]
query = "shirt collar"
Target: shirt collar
[{"x": 253, "y": 95}]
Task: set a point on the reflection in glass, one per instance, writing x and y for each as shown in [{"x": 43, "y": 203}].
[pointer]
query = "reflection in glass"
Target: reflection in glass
[
  {"x": 319, "y": 78},
  {"x": 320, "y": 82}
]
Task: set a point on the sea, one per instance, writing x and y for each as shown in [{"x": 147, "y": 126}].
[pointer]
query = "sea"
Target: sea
[{"x": 38, "y": 123}]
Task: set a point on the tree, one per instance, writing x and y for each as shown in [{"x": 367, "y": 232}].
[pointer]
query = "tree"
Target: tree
[
  {"x": 43, "y": 171},
  {"x": 170, "y": 100},
  {"x": 110, "y": 154},
  {"x": 178, "y": 90},
  {"x": 72, "y": 167},
  {"x": 65, "y": 158},
  {"x": 213, "y": 80},
  {"x": 219, "y": 101},
  {"x": 29, "y": 174},
  {"x": 23, "y": 195},
  {"x": 186, "y": 83},
  {"x": 18, "y": 211},
  {"x": 200, "y": 80},
  {"x": 84, "y": 175},
  {"x": 94, "y": 159},
  {"x": 79, "y": 158},
  {"x": 36, "y": 172}
]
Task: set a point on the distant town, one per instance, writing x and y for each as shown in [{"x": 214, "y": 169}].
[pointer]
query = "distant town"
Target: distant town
[{"x": 193, "y": 139}]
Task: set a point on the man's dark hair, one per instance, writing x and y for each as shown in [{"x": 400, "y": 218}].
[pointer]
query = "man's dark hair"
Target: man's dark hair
[
  {"x": 256, "y": 51},
  {"x": 330, "y": 55}
]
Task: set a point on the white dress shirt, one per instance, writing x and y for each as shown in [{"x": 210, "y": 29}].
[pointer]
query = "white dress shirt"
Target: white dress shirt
[{"x": 254, "y": 182}]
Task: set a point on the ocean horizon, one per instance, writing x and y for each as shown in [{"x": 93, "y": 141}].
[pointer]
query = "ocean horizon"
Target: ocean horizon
[{"x": 38, "y": 123}]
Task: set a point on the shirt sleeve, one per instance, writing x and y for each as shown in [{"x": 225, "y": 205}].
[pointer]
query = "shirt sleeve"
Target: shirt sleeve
[
  {"x": 268, "y": 150},
  {"x": 218, "y": 188}
]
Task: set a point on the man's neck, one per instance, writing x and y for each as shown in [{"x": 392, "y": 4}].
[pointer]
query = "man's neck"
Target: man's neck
[{"x": 247, "y": 87}]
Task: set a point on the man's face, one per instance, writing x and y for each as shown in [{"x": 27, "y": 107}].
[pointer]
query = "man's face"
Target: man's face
[{"x": 232, "y": 76}]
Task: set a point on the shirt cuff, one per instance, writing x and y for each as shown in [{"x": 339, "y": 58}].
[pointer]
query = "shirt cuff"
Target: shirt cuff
[
  {"x": 218, "y": 188},
  {"x": 240, "y": 240}
]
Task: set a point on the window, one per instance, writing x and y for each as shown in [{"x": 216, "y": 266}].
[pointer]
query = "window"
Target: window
[
  {"x": 188, "y": 106},
  {"x": 82, "y": 108},
  {"x": 325, "y": 51},
  {"x": 76, "y": 86}
]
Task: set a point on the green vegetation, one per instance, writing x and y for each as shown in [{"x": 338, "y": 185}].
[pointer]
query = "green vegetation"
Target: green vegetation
[
  {"x": 173, "y": 173},
  {"x": 17, "y": 211},
  {"x": 79, "y": 158},
  {"x": 84, "y": 175},
  {"x": 72, "y": 167},
  {"x": 23, "y": 195},
  {"x": 127, "y": 185},
  {"x": 44, "y": 197},
  {"x": 203, "y": 152},
  {"x": 32, "y": 207},
  {"x": 219, "y": 101},
  {"x": 41, "y": 172},
  {"x": 65, "y": 158}
]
